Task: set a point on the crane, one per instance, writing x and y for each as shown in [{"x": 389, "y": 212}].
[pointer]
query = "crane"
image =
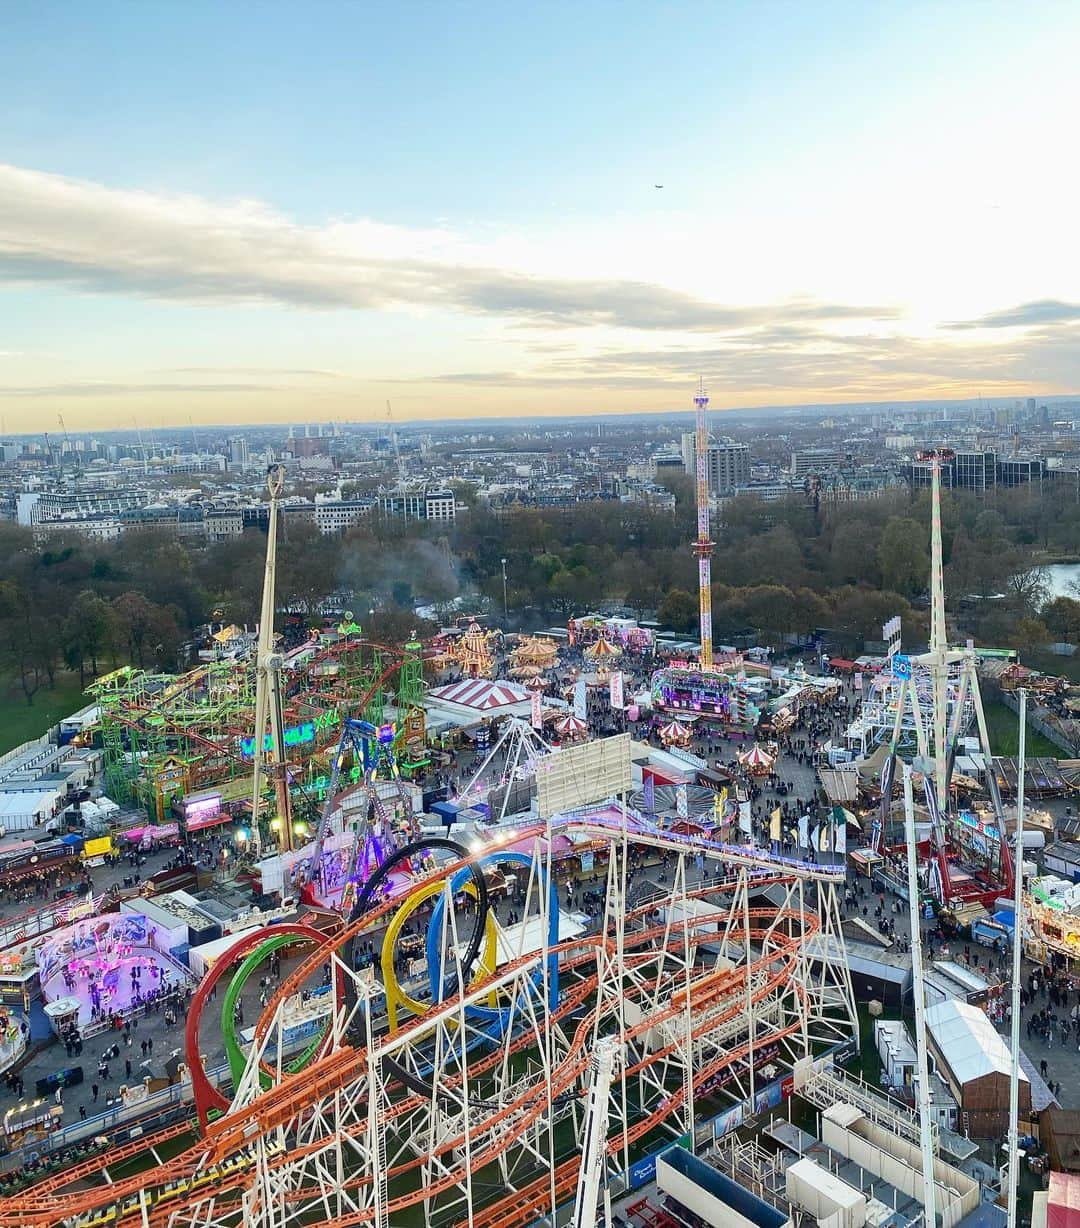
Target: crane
[
  {"x": 66, "y": 445},
  {"x": 394, "y": 441},
  {"x": 594, "y": 1149}
]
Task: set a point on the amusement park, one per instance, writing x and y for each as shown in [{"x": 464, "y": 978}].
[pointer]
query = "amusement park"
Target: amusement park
[{"x": 490, "y": 928}]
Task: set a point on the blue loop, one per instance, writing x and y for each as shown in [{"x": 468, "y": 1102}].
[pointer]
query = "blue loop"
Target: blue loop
[{"x": 442, "y": 988}]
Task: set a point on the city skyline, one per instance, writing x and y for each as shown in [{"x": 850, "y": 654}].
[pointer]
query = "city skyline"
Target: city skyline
[{"x": 245, "y": 215}]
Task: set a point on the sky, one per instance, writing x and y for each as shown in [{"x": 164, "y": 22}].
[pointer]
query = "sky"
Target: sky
[{"x": 255, "y": 212}]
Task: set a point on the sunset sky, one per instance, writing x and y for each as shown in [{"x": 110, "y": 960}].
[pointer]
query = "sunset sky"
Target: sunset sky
[{"x": 246, "y": 212}]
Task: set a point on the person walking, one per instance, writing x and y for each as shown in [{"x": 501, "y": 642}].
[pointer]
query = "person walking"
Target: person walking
[{"x": 94, "y": 1091}]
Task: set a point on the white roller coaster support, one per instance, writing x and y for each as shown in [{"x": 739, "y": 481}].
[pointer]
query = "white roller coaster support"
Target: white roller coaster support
[
  {"x": 1018, "y": 946},
  {"x": 926, "y": 1139},
  {"x": 594, "y": 1149}
]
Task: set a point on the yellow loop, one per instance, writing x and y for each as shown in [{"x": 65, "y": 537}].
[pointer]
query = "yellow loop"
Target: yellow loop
[{"x": 395, "y": 995}]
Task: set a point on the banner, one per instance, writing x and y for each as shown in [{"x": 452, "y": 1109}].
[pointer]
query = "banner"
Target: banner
[
  {"x": 682, "y": 802},
  {"x": 774, "y": 826},
  {"x": 891, "y": 634},
  {"x": 858, "y": 680},
  {"x": 744, "y": 819},
  {"x": 650, "y": 795},
  {"x": 804, "y": 831},
  {"x": 616, "y": 689},
  {"x": 536, "y": 715},
  {"x": 580, "y": 706}
]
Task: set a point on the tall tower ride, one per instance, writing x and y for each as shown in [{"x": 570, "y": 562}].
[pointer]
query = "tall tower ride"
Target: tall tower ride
[{"x": 703, "y": 546}]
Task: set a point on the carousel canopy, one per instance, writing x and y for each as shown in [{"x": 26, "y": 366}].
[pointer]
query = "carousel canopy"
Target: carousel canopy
[
  {"x": 675, "y": 731},
  {"x": 571, "y": 725},
  {"x": 757, "y": 758},
  {"x": 601, "y": 649},
  {"x": 535, "y": 650}
]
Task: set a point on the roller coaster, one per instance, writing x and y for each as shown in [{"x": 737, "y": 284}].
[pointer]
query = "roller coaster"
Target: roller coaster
[{"x": 459, "y": 1096}]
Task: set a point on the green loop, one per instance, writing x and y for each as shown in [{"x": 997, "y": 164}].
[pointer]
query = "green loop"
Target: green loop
[{"x": 234, "y": 1053}]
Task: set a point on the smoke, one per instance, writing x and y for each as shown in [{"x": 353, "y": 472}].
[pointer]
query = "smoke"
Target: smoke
[{"x": 398, "y": 571}]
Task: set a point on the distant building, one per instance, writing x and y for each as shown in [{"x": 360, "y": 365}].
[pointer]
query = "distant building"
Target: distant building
[
  {"x": 727, "y": 466},
  {"x": 977, "y": 471},
  {"x": 239, "y": 457},
  {"x": 817, "y": 460},
  {"x": 439, "y": 505}
]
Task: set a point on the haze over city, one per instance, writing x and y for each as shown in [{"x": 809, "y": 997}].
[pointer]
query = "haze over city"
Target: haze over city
[{"x": 253, "y": 213}]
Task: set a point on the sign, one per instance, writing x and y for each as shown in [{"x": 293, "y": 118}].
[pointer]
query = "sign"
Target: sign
[
  {"x": 858, "y": 679},
  {"x": 574, "y": 776},
  {"x": 588, "y": 861},
  {"x": 901, "y": 665},
  {"x": 580, "y": 704},
  {"x": 616, "y": 689},
  {"x": 295, "y": 735},
  {"x": 677, "y": 752},
  {"x": 536, "y": 711}
]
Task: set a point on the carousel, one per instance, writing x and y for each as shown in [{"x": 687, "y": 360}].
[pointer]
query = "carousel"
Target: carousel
[
  {"x": 758, "y": 760},
  {"x": 676, "y": 733},
  {"x": 571, "y": 728},
  {"x": 602, "y": 652},
  {"x": 534, "y": 653}
]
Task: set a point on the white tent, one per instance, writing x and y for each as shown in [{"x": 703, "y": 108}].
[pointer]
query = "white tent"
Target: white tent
[{"x": 19, "y": 811}]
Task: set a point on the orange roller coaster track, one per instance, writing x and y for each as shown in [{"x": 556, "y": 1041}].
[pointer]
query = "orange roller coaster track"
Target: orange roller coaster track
[{"x": 344, "y": 1143}]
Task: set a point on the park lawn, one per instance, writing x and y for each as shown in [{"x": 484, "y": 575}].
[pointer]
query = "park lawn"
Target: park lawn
[
  {"x": 1003, "y": 725},
  {"x": 20, "y": 722}
]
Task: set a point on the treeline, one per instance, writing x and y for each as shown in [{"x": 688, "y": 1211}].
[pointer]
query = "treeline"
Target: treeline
[{"x": 779, "y": 569}]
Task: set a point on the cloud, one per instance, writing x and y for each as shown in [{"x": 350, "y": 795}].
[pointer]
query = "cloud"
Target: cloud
[
  {"x": 70, "y": 232},
  {"x": 104, "y": 388},
  {"x": 1041, "y": 312},
  {"x": 781, "y": 359}
]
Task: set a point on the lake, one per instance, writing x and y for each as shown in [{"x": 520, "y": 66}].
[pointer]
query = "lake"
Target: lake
[{"x": 1060, "y": 577}]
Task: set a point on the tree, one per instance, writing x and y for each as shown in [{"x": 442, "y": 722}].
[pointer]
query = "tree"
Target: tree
[
  {"x": 89, "y": 630},
  {"x": 134, "y": 622},
  {"x": 770, "y": 608},
  {"x": 903, "y": 557},
  {"x": 1031, "y": 635},
  {"x": 1062, "y": 618},
  {"x": 678, "y": 610},
  {"x": 27, "y": 637}
]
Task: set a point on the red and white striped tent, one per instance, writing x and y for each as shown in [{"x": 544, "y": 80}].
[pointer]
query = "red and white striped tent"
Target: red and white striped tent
[{"x": 478, "y": 697}]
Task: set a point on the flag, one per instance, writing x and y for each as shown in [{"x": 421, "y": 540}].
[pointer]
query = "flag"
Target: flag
[
  {"x": 804, "y": 831},
  {"x": 745, "y": 825},
  {"x": 682, "y": 802},
  {"x": 536, "y": 717},
  {"x": 858, "y": 679},
  {"x": 774, "y": 825},
  {"x": 616, "y": 689},
  {"x": 650, "y": 794},
  {"x": 580, "y": 705}
]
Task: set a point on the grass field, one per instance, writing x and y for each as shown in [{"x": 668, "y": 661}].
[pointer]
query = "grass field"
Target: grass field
[
  {"x": 19, "y": 721},
  {"x": 1003, "y": 726}
]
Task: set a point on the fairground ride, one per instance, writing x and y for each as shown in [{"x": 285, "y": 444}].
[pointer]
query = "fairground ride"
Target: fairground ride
[
  {"x": 463, "y": 1095},
  {"x": 967, "y": 854}
]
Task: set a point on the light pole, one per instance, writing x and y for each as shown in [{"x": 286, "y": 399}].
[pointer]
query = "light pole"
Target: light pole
[{"x": 505, "y": 611}]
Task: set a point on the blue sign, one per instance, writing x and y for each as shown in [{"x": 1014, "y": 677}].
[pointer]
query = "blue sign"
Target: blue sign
[
  {"x": 295, "y": 735},
  {"x": 901, "y": 666}
]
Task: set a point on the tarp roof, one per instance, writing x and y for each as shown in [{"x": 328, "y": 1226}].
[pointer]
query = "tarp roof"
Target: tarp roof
[
  {"x": 968, "y": 1041},
  {"x": 481, "y": 694}
]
